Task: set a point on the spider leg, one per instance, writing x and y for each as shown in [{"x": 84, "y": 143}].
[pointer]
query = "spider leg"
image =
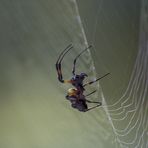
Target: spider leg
[
  {"x": 64, "y": 52},
  {"x": 58, "y": 63},
  {"x": 90, "y": 93},
  {"x": 99, "y": 103},
  {"x": 91, "y": 82},
  {"x": 92, "y": 108},
  {"x": 75, "y": 60}
]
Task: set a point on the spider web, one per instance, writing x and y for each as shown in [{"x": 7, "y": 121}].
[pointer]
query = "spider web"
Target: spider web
[{"x": 128, "y": 116}]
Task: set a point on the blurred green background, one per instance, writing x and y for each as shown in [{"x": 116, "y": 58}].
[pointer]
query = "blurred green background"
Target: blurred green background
[{"x": 33, "y": 109}]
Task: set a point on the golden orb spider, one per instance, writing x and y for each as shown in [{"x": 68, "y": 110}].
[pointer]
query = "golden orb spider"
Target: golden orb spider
[{"x": 76, "y": 95}]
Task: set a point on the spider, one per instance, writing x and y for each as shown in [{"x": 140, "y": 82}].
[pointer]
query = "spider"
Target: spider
[{"x": 75, "y": 95}]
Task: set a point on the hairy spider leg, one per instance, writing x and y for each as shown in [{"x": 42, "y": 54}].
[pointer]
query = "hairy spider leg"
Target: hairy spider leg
[
  {"x": 58, "y": 63},
  {"x": 75, "y": 60},
  {"x": 91, "y": 82},
  {"x": 92, "y": 108}
]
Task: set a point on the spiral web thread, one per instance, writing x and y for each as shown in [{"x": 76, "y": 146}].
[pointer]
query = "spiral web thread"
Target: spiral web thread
[{"x": 129, "y": 115}]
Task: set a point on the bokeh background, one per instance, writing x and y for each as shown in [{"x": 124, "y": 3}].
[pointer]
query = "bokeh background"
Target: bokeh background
[{"x": 33, "y": 110}]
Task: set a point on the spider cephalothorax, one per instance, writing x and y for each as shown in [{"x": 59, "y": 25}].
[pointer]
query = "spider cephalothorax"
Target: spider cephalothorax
[{"x": 77, "y": 81}]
